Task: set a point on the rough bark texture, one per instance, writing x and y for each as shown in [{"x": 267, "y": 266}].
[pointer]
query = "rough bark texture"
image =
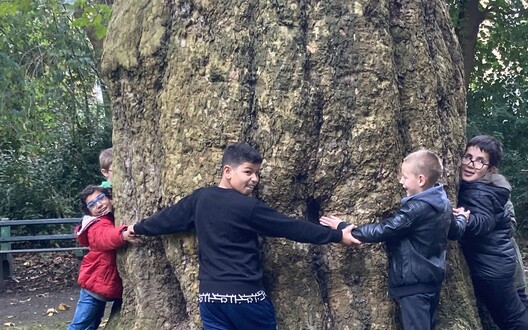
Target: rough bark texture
[{"x": 332, "y": 93}]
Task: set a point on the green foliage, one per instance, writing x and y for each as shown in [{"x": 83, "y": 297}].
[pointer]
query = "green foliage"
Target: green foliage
[
  {"x": 498, "y": 95},
  {"x": 497, "y": 98},
  {"x": 91, "y": 15},
  {"x": 54, "y": 123}
]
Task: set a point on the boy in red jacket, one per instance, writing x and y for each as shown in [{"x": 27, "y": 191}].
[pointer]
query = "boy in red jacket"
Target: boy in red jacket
[{"x": 98, "y": 277}]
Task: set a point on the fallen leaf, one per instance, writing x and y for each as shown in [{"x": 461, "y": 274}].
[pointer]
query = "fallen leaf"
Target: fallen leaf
[
  {"x": 63, "y": 307},
  {"x": 51, "y": 311}
]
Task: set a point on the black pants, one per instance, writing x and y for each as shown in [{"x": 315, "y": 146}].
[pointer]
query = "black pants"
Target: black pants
[
  {"x": 418, "y": 311},
  {"x": 522, "y": 295},
  {"x": 503, "y": 302},
  {"x": 232, "y": 316}
]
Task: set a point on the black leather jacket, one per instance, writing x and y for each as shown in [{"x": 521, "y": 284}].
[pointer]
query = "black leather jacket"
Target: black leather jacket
[
  {"x": 416, "y": 238},
  {"x": 487, "y": 242}
]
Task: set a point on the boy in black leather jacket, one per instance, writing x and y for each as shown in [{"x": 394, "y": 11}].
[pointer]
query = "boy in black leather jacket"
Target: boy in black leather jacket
[
  {"x": 487, "y": 243},
  {"x": 416, "y": 237}
]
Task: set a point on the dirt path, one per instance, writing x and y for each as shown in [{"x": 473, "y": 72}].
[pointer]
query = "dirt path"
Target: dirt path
[
  {"x": 23, "y": 309},
  {"x": 41, "y": 283}
]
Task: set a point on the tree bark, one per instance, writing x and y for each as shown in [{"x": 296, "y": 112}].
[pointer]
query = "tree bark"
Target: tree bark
[{"x": 332, "y": 93}]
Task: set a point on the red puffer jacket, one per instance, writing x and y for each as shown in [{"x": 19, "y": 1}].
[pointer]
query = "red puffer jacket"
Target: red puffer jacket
[{"x": 98, "y": 271}]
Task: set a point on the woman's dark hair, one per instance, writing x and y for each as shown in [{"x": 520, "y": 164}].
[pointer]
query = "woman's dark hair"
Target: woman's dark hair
[{"x": 90, "y": 189}]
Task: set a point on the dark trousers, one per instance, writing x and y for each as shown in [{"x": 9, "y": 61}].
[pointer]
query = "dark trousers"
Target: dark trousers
[
  {"x": 230, "y": 316},
  {"x": 503, "y": 302},
  {"x": 522, "y": 295},
  {"x": 418, "y": 311}
]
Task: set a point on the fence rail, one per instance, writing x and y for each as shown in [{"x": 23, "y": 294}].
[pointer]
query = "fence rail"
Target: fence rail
[
  {"x": 6, "y": 238},
  {"x": 6, "y": 241}
]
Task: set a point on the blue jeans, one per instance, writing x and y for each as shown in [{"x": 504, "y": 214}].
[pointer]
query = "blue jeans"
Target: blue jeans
[
  {"x": 230, "y": 316},
  {"x": 88, "y": 313}
]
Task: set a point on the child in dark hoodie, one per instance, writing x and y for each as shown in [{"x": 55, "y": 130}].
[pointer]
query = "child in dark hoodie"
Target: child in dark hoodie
[
  {"x": 487, "y": 245},
  {"x": 98, "y": 277},
  {"x": 416, "y": 237}
]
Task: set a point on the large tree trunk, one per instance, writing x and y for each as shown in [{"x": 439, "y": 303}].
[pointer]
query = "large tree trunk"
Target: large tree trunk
[{"x": 332, "y": 93}]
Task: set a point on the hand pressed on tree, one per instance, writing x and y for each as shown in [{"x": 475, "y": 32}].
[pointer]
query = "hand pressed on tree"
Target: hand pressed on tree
[{"x": 331, "y": 221}]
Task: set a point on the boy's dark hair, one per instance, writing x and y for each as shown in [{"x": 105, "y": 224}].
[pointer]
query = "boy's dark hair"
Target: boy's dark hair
[
  {"x": 490, "y": 145},
  {"x": 105, "y": 158},
  {"x": 90, "y": 189},
  {"x": 426, "y": 163},
  {"x": 238, "y": 153}
]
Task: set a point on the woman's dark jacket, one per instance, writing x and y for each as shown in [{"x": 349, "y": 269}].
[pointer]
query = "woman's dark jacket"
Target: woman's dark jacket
[
  {"x": 487, "y": 242},
  {"x": 416, "y": 237}
]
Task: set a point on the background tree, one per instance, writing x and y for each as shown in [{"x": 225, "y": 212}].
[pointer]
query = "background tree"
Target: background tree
[
  {"x": 493, "y": 35},
  {"x": 332, "y": 93}
]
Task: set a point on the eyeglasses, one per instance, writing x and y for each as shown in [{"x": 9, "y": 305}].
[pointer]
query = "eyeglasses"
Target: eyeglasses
[
  {"x": 97, "y": 199},
  {"x": 478, "y": 164}
]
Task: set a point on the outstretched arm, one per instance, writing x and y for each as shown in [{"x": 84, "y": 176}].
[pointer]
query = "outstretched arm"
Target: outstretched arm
[{"x": 170, "y": 220}]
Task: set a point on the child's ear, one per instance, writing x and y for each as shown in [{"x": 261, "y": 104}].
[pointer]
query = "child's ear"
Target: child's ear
[
  {"x": 493, "y": 169},
  {"x": 422, "y": 180},
  {"x": 226, "y": 172},
  {"x": 104, "y": 172}
]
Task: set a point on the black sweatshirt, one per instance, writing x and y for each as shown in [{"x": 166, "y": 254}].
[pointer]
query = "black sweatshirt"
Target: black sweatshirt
[{"x": 227, "y": 224}]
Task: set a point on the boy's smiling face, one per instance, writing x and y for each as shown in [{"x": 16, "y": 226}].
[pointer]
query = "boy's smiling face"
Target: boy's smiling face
[
  {"x": 474, "y": 165},
  {"x": 411, "y": 182},
  {"x": 242, "y": 178}
]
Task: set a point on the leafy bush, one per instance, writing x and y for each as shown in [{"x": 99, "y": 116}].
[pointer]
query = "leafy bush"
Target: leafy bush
[{"x": 52, "y": 98}]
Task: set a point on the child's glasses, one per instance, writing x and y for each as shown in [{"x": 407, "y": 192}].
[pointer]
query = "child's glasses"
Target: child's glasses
[
  {"x": 97, "y": 199},
  {"x": 477, "y": 164}
]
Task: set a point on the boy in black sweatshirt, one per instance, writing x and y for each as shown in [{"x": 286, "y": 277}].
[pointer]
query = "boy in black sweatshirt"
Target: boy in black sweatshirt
[{"x": 227, "y": 223}]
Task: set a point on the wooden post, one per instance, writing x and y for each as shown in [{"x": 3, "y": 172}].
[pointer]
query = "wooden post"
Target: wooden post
[{"x": 6, "y": 260}]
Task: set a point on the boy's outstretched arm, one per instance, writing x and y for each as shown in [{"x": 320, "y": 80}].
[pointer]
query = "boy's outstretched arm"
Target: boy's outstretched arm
[{"x": 348, "y": 239}]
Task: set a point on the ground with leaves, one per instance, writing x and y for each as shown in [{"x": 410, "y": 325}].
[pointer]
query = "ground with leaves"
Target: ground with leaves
[{"x": 43, "y": 291}]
